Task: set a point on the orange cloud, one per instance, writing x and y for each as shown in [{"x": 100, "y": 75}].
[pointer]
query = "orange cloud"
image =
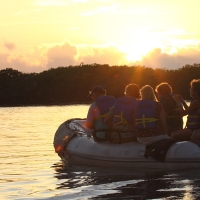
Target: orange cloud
[
  {"x": 103, "y": 55},
  {"x": 65, "y": 54},
  {"x": 157, "y": 59},
  {"x": 9, "y": 46},
  {"x": 19, "y": 63}
]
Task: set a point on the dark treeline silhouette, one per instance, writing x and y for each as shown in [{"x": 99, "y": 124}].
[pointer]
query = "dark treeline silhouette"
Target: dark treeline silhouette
[{"x": 66, "y": 85}]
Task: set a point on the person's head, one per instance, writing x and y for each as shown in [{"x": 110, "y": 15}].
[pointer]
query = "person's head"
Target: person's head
[
  {"x": 96, "y": 92},
  {"x": 163, "y": 89},
  {"x": 195, "y": 88},
  {"x": 132, "y": 90},
  {"x": 147, "y": 92}
]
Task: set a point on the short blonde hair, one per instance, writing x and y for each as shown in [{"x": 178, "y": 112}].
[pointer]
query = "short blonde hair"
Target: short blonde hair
[{"x": 147, "y": 92}]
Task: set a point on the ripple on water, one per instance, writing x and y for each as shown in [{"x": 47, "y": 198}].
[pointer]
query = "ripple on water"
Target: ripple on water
[{"x": 30, "y": 169}]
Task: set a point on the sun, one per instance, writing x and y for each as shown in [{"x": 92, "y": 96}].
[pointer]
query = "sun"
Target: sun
[
  {"x": 132, "y": 54},
  {"x": 140, "y": 43}
]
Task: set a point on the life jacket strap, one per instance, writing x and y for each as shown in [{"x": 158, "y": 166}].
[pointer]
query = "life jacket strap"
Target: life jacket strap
[
  {"x": 122, "y": 120},
  {"x": 102, "y": 116},
  {"x": 173, "y": 116},
  {"x": 176, "y": 114},
  {"x": 145, "y": 120},
  {"x": 193, "y": 123},
  {"x": 193, "y": 116}
]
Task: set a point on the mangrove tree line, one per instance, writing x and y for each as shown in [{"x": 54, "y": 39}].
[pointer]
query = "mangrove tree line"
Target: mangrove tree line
[{"x": 66, "y": 85}]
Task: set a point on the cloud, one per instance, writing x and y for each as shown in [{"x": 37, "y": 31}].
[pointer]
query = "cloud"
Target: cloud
[
  {"x": 18, "y": 63},
  {"x": 41, "y": 58},
  {"x": 9, "y": 46},
  {"x": 103, "y": 55},
  {"x": 157, "y": 59},
  {"x": 3, "y": 61},
  {"x": 68, "y": 54},
  {"x": 64, "y": 54}
]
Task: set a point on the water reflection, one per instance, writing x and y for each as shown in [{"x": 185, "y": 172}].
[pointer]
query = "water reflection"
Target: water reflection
[
  {"x": 30, "y": 169},
  {"x": 115, "y": 184}
]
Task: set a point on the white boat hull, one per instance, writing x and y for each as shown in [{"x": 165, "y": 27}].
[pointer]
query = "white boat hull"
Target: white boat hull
[{"x": 82, "y": 150}]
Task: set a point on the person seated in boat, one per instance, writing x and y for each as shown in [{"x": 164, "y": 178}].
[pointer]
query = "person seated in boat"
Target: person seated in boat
[
  {"x": 98, "y": 110},
  {"x": 121, "y": 117},
  {"x": 192, "y": 122},
  {"x": 172, "y": 113},
  {"x": 195, "y": 138},
  {"x": 151, "y": 125}
]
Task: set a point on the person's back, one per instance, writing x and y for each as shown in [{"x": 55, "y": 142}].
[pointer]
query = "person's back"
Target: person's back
[
  {"x": 150, "y": 118},
  {"x": 122, "y": 116},
  {"x": 123, "y": 112},
  {"x": 98, "y": 111},
  {"x": 146, "y": 115},
  {"x": 104, "y": 104}
]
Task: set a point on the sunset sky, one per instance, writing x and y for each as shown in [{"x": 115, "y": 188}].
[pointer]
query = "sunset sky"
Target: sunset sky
[{"x": 36, "y": 35}]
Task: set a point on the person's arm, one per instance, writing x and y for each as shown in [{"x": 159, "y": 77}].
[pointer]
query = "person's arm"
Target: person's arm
[
  {"x": 179, "y": 100},
  {"x": 183, "y": 102},
  {"x": 91, "y": 116},
  {"x": 89, "y": 125},
  {"x": 193, "y": 106}
]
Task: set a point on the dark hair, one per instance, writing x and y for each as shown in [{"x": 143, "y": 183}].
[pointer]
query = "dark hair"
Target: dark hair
[
  {"x": 164, "y": 88},
  {"x": 195, "y": 84},
  {"x": 97, "y": 89},
  {"x": 133, "y": 90}
]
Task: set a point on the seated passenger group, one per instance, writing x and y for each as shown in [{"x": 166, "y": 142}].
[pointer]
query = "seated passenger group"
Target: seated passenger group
[{"x": 140, "y": 116}]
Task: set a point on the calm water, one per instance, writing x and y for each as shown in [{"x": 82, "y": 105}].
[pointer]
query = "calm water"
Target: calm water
[{"x": 29, "y": 168}]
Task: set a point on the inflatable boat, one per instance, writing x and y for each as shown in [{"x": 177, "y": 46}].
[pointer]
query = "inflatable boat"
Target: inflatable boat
[{"x": 75, "y": 145}]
